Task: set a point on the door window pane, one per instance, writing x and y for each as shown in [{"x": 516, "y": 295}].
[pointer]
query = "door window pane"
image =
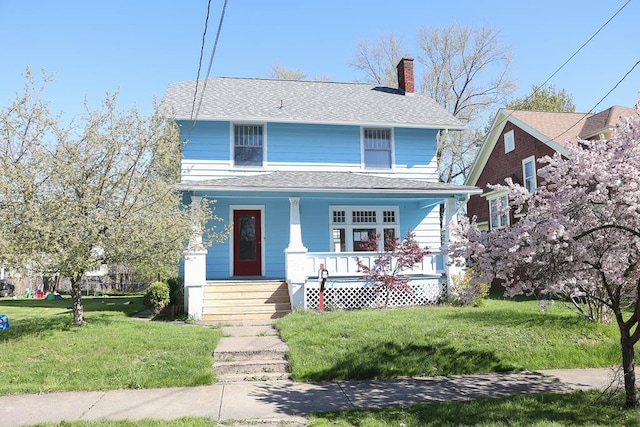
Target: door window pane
[{"x": 247, "y": 236}]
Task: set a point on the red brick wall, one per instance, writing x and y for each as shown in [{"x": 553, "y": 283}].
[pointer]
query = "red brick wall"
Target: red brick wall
[{"x": 501, "y": 165}]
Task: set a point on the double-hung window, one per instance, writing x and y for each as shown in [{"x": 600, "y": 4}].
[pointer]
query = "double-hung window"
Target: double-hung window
[
  {"x": 377, "y": 148},
  {"x": 363, "y": 228},
  {"x": 529, "y": 174},
  {"x": 499, "y": 216},
  {"x": 248, "y": 145},
  {"x": 509, "y": 142}
]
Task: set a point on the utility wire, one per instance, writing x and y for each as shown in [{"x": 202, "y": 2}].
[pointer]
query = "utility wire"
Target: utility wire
[
  {"x": 580, "y": 48},
  {"x": 204, "y": 36},
  {"x": 213, "y": 53},
  {"x": 599, "y": 102},
  {"x": 567, "y": 61}
]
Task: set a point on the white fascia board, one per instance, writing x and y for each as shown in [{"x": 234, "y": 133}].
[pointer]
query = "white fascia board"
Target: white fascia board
[
  {"x": 322, "y": 122},
  {"x": 333, "y": 190},
  {"x": 487, "y": 148}
]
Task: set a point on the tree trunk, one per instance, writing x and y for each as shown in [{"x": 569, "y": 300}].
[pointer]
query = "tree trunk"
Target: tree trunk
[
  {"x": 628, "y": 366},
  {"x": 78, "y": 308}
]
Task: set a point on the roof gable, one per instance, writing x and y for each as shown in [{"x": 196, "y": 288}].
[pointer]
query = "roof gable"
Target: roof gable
[
  {"x": 554, "y": 129},
  {"x": 271, "y": 100}
]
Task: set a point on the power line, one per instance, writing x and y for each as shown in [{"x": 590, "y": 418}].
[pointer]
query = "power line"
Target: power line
[
  {"x": 599, "y": 102},
  {"x": 567, "y": 61},
  {"x": 213, "y": 53},
  {"x": 204, "y": 36},
  {"x": 580, "y": 48}
]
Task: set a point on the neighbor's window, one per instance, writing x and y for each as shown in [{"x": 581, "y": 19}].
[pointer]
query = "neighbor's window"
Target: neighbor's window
[
  {"x": 353, "y": 226},
  {"x": 529, "y": 174},
  {"x": 248, "y": 145},
  {"x": 509, "y": 142},
  {"x": 377, "y": 148},
  {"x": 496, "y": 207}
]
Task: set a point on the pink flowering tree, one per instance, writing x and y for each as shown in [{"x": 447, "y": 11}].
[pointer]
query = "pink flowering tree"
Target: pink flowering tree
[
  {"x": 397, "y": 257},
  {"x": 579, "y": 236}
]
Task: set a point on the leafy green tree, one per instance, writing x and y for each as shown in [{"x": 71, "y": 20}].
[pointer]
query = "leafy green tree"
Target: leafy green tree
[
  {"x": 98, "y": 191},
  {"x": 544, "y": 99}
]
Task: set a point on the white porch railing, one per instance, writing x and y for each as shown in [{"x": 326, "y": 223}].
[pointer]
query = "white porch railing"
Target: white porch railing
[{"x": 344, "y": 264}]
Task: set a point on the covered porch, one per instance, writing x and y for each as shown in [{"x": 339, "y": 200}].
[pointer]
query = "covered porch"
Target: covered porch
[{"x": 323, "y": 224}]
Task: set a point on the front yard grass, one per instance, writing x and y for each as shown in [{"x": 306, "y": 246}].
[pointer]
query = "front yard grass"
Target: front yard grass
[
  {"x": 42, "y": 352},
  {"x": 502, "y": 335}
]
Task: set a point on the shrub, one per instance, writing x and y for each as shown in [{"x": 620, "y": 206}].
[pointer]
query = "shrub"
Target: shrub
[
  {"x": 463, "y": 292},
  {"x": 176, "y": 295},
  {"x": 157, "y": 296}
]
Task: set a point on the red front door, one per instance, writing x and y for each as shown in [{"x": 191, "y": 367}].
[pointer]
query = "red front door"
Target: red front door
[{"x": 247, "y": 238}]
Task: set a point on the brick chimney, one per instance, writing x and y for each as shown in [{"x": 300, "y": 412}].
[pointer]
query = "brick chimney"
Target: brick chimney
[{"x": 405, "y": 75}]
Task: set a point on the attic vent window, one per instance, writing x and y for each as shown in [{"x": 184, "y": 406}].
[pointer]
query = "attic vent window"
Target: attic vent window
[{"x": 509, "y": 142}]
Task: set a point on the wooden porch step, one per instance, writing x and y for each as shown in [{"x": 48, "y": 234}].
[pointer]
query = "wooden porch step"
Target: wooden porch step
[
  {"x": 253, "y": 315},
  {"x": 230, "y": 307},
  {"x": 245, "y": 300}
]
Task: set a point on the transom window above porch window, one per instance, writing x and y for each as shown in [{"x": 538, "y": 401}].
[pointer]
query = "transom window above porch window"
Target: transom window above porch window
[
  {"x": 353, "y": 228},
  {"x": 248, "y": 145},
  {"x": 364, "y": 216},
  {"x": 377, "y": 148}
]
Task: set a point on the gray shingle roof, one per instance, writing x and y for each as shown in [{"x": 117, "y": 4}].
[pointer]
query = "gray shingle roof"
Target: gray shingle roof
[
  {"x": 326, "y": 181},
  {"x": 227, "y": 98}
]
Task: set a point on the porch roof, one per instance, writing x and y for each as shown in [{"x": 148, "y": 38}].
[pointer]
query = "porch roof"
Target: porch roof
[{"x": 322, "y": 182}]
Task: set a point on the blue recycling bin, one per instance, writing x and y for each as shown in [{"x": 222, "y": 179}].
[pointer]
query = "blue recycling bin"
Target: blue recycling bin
[{"x": 4, "y": 322}]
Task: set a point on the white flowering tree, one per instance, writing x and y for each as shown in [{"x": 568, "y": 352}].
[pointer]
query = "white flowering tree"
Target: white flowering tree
[
  {"x": 579, "y": 236},
  {"x": 101, "y": 190}
]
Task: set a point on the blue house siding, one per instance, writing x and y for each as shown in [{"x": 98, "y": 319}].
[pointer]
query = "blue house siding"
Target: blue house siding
[
  {"x": 206, "y": 141},
  {"x": 414, "y": 147},
  {"x": 291, "y": 146},
  {"x": 309, "y": 143}
]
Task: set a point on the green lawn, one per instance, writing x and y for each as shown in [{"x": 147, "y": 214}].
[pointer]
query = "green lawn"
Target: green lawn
[
  {"x": 501, "y": 335},
  {"x": 42, "y": 352}
]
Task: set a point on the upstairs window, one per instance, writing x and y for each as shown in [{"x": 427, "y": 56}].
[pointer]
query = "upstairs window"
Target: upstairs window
[
  {"x": 529, "y": 174},
  {"x": 377, "y": 148},
  {"x": 509, "y": 142},
  {"x": 248, "y": 145}
]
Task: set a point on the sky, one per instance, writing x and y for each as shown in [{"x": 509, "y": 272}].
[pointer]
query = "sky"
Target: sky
[{"x": 138, "y": 47}]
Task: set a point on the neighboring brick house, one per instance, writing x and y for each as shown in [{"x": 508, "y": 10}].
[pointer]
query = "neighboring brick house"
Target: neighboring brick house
[{"x": 516, "y": 141}]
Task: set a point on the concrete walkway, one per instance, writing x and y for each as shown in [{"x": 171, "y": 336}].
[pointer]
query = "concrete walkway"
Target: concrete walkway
[{"x": 274, "y": 402}]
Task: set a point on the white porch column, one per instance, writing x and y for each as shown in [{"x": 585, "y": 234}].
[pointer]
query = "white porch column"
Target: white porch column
[
  {"x": 450, "y": 220},
  {"x": 195, "y": 271},
  {"x": 295, "y": 256}
]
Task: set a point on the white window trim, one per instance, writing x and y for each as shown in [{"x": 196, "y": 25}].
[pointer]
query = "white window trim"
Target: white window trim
[
  {"x": 491, "y": 197},
  {"x": 232, "y": 144},
  {"x": 349, "y": 226},
  {"x": 510, "y": 138},
  {"x": 532, "y": 160},
  {"x": 363, "y": 166}
]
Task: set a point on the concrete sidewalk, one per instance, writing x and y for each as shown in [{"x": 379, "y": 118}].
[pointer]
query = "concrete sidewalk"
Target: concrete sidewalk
[{"x": 284, "y": 400}]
